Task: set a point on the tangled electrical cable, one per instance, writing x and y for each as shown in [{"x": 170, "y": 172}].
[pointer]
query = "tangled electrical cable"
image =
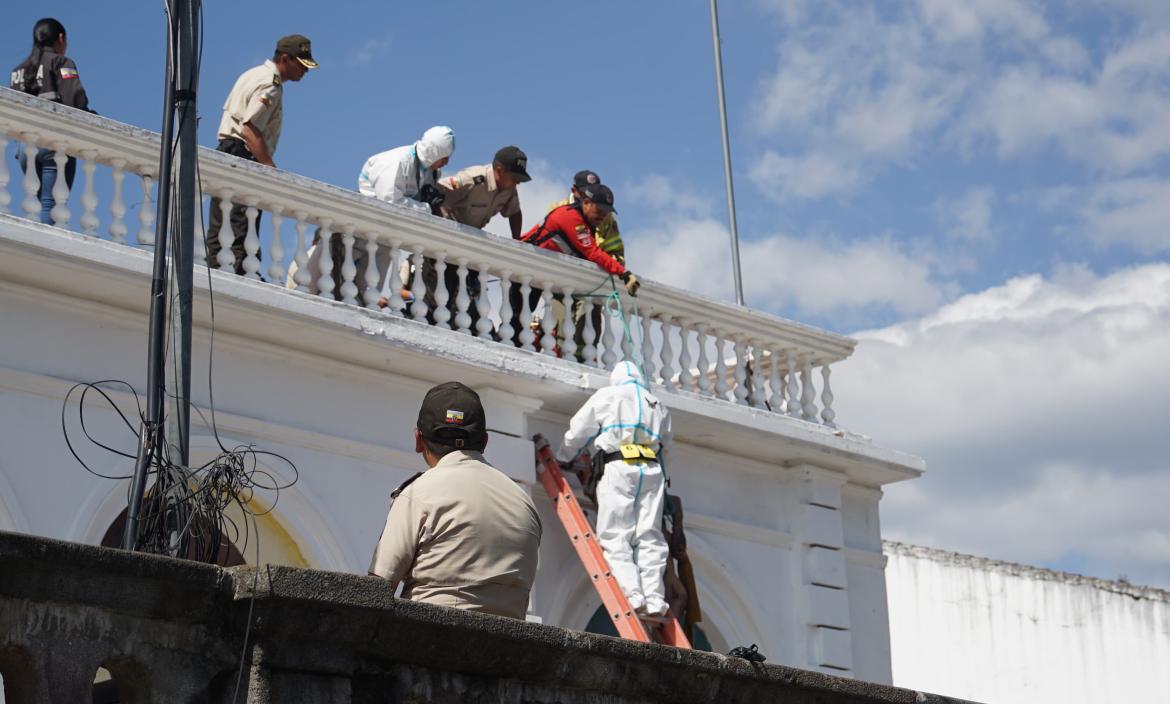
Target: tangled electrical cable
[{"x": 187, "y": 510}]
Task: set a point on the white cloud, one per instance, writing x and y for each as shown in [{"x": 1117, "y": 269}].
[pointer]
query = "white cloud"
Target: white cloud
[
  {"x": 1040, "y": 407},
  {"x": 1134, "y": 212},
  {"x": 823, "y": 277},
  {"x": 814, "y": 176},
  {"x": 370, "y": 51},
  {"x": 967, "y": 217}
]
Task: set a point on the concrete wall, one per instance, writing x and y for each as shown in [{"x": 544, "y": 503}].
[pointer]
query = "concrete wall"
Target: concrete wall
[
  {"x": 1007, "y": 633},
  {"x": 782, "y": 514},
  {"x": 185, "y": 633}
]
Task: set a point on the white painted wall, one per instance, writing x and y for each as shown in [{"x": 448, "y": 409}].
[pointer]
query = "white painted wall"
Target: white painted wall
[
  {"x": 999, "y": 632},
  {"x": 336, "y": 390}
]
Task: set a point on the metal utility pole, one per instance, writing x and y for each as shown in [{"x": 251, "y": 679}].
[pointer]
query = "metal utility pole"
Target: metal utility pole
[
  {"x": 179, "y": 97},
  {"x": 726, "y": 153}
]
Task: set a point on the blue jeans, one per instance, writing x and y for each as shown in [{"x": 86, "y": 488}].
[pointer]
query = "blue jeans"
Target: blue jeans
[{"x": 47, "y": 173}]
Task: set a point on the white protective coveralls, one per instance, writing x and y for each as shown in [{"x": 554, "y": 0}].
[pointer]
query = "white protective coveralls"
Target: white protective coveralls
[
  {"x": 630, "y": 494},
  {"x": 394, "y": 176}
]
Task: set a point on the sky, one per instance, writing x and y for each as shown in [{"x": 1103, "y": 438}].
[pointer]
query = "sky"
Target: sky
[{"x": 977, "y": 191}]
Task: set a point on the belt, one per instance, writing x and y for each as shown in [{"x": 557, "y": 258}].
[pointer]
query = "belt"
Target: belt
[
  {"x": 612, "y": 456},
  {"x": 235, "y": 147}
]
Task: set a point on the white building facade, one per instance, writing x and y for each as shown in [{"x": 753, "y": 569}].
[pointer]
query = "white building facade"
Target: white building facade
[
  {"x": 994, "y": 631},
  {"x": 781, "y": 503}
]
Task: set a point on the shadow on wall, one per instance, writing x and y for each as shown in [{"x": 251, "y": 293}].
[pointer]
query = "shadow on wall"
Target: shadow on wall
[{"x": 601, "y": 624}]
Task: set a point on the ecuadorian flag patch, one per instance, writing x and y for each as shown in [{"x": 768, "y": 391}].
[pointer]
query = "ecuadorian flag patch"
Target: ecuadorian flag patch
[
  {"x": 454, "y": 416},
  {"x": 68, "y": 73}
]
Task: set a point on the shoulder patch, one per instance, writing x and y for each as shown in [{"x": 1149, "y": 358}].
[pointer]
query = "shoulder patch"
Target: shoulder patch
[
  {"x": 480, "y": 179},
  {"x": 402, "y": 487},
  {"x": 67, "y": 73}
]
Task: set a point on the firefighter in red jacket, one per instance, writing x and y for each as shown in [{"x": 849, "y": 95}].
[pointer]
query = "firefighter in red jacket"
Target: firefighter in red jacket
[{"x": 569, "y": 230}]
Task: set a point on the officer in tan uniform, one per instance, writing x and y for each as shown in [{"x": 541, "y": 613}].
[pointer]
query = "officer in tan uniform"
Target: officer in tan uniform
[
  {"x": 250, "y": 129},
  {"x": 461, "y": 533},
  {"x": 473, "y": 197}
]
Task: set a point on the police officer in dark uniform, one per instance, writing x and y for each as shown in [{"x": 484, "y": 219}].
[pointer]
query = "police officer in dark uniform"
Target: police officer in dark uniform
[{"x": 47, "y": 73}]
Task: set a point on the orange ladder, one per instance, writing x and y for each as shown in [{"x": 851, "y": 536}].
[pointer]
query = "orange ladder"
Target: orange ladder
[{"x": 664, "y": 629}]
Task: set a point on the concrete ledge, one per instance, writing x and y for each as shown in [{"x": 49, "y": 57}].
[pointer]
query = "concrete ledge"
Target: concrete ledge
[{"x": 174, "y": 631}]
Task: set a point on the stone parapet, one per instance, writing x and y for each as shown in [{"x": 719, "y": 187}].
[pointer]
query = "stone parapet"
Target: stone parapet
[{"x": 175, "y": 631}]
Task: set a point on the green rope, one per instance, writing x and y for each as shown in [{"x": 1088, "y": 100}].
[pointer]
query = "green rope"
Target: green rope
[{"x": 612, "y": 305}]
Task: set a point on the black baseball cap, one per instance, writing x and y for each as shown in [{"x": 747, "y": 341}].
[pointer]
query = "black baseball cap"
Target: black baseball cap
[
  {"x": 452, "y": 415},
  {"x": 299, "y": 47},
  {"x": 599, "y": 194},
  {"x": 586, "y": 178},
  {"x": 512, "y": 159}
]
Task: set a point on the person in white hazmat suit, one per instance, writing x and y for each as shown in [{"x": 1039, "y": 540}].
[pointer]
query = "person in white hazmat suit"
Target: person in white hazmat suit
[
  {"x": 404, "y": 176},
  {"x": 632, "y": 428}
]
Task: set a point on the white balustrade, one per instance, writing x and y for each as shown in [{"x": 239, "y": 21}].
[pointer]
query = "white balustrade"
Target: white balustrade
[
  {"x": 548, "y": 341},
  {"x": 672, "y": 333},
  {"x": 703, "y": 364},
  {"x": 372, "y": 294},
  {"x": 647, "y": 350},
  {"x": 483, "y": 326},
  {"x": 506, "y": 329},
  {"x": 827, "y": 412},
  {"x": 527, "y": 337},
  {"x": 276, "y": 266},
  {"x": 146, "y": 212},
  {"x": 462, "y": 299},
  {"x": 225, "y": 259},
  {"x": 118, "y": 227},
  {"x": 418, "y": 289},
  {"x": 5, "y": 198},
  {"x": 808, "y": 394},
  {"x": 60, "y": 212},
  {"x": 302, "y": 278},
  {"x": 325, "y": 258},
  {"x": 349, "y": 289},
  {"x": 89, "y": 201},
  {"x": 200, "y": 251},
  {"x": 31, "y": 205},
  {"x": 251, "y": 263}
]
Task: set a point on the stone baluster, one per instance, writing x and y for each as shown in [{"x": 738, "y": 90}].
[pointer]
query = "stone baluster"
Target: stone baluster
[
  {"x": 349, "y": 290},
  {"x": 372, "y": 294},
  {"x": 721, "y": 387},
  {"x": 462, "y": 299},
  {"x": 325, "y": 259},
  {"x": 793, "y": 390},
  {"x": 301, "y": 276},
  {"x": 527, "y": 337},
  {"x": 5, "y": 198},
  {"x": 251, "y": 263},
  {"x": 776, "y": 401},
  {"x": 418, "y": 289},
  {"x": 89, "y": 201},
  {"x": 759, "y": 394},
  {"x": 226, "y": 258},
  {"x": 741, "y": 372},
  {"x": 31, "y": 205},
  {"x": 647, "y": 344},
  {"x": 827, "y": 413},
  {"x": 808, "y": 394},
  {"x": 277, "y": 270},
  {"x": 60, "y": 212},
  {"x": 588, "y": 335},
  {"x": 686, "y": 380},
  {"x": 506, "y": 330},
  {"x": 568, "y": 327},
  {"x": 118, "y": 203},
  {"x": 483, "y": 326},
  {"x": 397, "y": 306},
  {"x": 200, "y": 248},
  {"x": 666, "y": 370},
  {"x": 702, "y": 364},
  {"x": 145, "y": 212},
  {"x": 441, "y": 315},
  {"x": 548, "y": 341},
  {"x": 613, "y": 326}
]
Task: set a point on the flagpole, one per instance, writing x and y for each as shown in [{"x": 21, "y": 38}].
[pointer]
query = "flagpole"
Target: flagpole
[{"x": 726, "y": 154}]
